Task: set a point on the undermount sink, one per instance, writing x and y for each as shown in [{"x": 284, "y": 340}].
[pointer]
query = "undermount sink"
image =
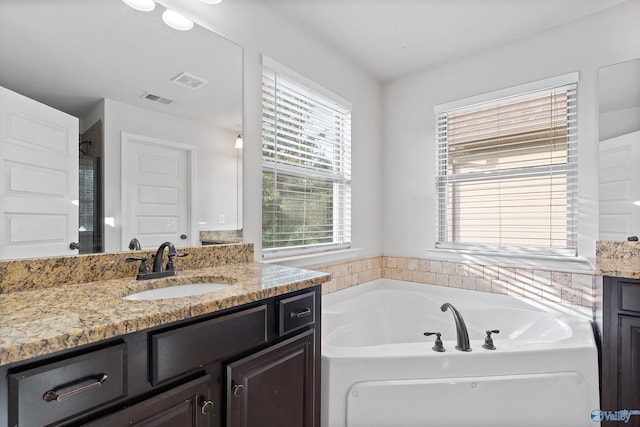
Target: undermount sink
[{"x": 176, "y": 291}]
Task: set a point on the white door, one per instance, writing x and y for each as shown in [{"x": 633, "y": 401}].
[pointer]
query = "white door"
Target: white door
[
  {"x": 38, "y": 179},
  {"x": 156, "y": 191},
  {"x": 619, "y": 188}
]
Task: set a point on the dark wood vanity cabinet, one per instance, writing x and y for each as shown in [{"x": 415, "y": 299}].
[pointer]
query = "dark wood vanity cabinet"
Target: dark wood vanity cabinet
[
  {"x": 254, "y": 365},
  {"x": 187, "y": 405},
  {"x": 621, "y": 347},
  {"x": 276, "y": 384}
]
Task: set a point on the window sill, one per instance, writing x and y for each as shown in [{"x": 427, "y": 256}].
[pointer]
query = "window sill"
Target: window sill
[
  {"x": 318, "y": 258},
  {"x": 569, "y": 264}
]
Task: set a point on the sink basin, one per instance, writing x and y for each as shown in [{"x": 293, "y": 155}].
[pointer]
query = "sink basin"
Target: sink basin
[{"x": 176, "y": 291}]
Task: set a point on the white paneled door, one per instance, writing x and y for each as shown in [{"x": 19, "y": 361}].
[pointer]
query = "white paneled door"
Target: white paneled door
[
  {"x": 619, "y": 189},
  {"x": 157, "y": 187},
  {"x": 38, "y": 179}
]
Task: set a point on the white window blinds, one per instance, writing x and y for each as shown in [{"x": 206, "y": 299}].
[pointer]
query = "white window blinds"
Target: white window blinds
[
  {"x": 306, "y": 160},
  {"x": 507, "y": 174}
]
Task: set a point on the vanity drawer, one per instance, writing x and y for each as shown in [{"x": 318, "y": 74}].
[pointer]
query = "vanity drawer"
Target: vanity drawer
[
  {"x": 296, "y": 312},
  {"x": 66, "y": 388},
  {"x": 629, "y": 296},
  {"x": 183, "y": 349}
]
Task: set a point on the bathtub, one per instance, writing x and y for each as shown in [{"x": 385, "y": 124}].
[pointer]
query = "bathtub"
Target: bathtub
[{"x": 379, "y": 370}]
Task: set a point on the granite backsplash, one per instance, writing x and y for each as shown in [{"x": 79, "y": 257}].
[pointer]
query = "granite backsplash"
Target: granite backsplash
[{"x": 39, "y": 273}]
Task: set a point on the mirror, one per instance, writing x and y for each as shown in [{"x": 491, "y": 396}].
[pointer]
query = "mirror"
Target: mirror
[
  {"x": 619, "y": 150},
  {"x": 112, "y": 67}
]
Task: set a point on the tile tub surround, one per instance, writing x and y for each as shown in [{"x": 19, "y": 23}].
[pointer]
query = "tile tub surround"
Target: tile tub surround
[
  {"x": 37, "y": 322},
  {"x": 38, "y": 273},
  {"x": 350, "y": 273},
  {"x": 618, "y": 259},
  {"x": 545, "y": 285}
]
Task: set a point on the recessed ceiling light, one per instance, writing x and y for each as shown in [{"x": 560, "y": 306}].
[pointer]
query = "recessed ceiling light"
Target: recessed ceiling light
[
  {"x": 176, "y": 20},
  {"x": 211, "y": 1},
  {"x": 143, "y": 5}
]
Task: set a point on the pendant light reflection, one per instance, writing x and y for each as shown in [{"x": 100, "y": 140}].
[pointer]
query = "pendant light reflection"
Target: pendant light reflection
[
  {"x": 238, "y": 145},
  {"x": 176, "y": 20},
  {"x": 141, "y": 5}
]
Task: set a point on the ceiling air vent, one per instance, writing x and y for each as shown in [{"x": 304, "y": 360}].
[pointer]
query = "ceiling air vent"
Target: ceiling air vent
[
  {"x": 157, "y": 98},
  {"x": 189, "y": 80}
]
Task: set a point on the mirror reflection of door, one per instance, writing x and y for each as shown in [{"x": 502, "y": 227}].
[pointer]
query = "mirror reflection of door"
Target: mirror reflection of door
[
  {"x": 619, "y": 193},
  {"x": 156, "y": 191},
  {"x": 39, "y": 185}
]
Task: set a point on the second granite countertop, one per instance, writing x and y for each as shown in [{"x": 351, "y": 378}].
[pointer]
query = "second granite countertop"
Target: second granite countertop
[{"x": 43, "y": 321}]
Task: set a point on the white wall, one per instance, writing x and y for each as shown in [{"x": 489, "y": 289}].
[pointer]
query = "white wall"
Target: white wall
[
  {"x": 619, "y": 122},
  {"x": 216, "y": 165},
  {"x": 583, "y": 45},
  {"x": 260, "y": 29}
]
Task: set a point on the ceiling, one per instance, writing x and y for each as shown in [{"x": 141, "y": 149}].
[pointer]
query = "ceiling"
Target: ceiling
[{"x": 393, "y": 38}]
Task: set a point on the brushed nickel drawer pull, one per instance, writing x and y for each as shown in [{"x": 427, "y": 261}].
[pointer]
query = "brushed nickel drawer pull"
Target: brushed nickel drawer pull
[
  {"x": 299, "y": 314},
  {"x": 53, "y": 396}
]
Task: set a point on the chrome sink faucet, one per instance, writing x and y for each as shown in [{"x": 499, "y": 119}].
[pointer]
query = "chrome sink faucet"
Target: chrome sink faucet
[{"x": 461, "y": 328}]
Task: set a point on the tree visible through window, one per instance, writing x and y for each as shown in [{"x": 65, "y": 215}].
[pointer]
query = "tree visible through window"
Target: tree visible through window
[
  {"x": 306, "y": 178},
  {"x": 507, "y": 174}
]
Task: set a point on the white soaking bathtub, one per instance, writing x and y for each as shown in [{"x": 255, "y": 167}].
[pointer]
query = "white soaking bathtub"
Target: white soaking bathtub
[{"x": 379, "y": 370}]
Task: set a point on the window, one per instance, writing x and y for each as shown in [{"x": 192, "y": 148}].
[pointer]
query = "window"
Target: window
[
  {"x": 306, "y": 165},
  {"x": 507, "y": 174}
]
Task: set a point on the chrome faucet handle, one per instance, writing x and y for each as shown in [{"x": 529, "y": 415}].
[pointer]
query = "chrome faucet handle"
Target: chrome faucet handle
[
  {"x": 438, "y": 346},
  {"x": 488, "y": 341},
  {"x": 144, "y": 268}
]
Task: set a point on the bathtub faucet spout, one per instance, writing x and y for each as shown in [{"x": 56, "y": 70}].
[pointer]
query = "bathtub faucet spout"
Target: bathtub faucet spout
[{"x": 461, "y": 328}]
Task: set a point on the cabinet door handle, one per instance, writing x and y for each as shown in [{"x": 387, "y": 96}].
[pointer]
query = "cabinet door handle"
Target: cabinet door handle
[
  {"x": 56, "y": 396},
  {"x": 299, "y": 314},
  {"x": 237, "y": 390},
  {"x": 206, "y": 407}
]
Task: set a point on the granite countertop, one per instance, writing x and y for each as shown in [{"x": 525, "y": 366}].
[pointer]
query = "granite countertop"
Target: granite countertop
[
  {"x": 37, "y": 322},
  {"x": 618, "y": 270},
  {"x": 618, "y": 259}
]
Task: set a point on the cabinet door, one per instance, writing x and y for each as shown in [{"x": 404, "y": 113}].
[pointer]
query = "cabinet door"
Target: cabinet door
[
  {"x": 629, "y": 397},
  {"x": 274, "y": 387},
  {"x": 188, "y": 405}
]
